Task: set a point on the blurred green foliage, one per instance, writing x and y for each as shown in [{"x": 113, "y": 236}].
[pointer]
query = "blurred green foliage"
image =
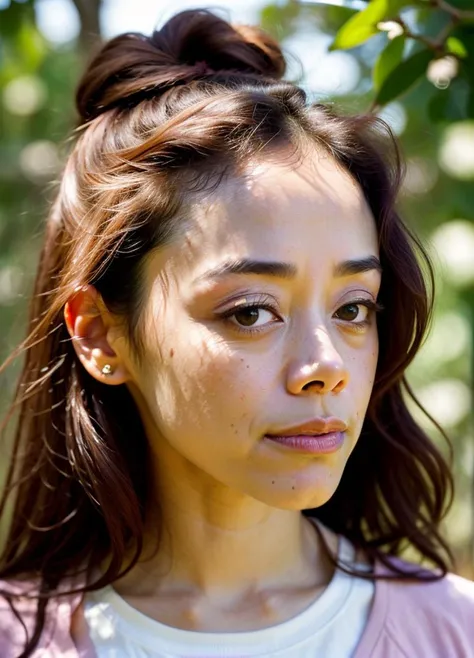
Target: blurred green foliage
[{"x": 415, "y": 63}]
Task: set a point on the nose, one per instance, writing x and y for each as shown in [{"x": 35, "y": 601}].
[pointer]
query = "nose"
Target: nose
[{"x": 321, "y": 370}]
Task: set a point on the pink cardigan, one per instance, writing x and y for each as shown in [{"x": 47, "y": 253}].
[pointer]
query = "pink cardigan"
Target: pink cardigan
[{"x": 408, "y": 619}]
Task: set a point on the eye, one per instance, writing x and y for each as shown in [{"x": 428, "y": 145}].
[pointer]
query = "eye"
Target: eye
[
  {"x": 252, "y": 316},
  {"x": 351, "y": 312},
  {"x": 358, "y": 313}
]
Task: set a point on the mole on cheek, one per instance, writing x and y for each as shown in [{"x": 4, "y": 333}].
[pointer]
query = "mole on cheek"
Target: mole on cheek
[{"x": 171, "y": 352}]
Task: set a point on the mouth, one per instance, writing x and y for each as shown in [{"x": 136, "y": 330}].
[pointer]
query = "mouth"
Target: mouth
[{"x": 317, "y": 444}]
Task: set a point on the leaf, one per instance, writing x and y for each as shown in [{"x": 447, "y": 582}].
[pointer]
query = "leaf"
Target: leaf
[
  {"x": 31, "y": 46},
  {"x": 456, "y": 47},
  {"x": 388, "y": 60},
  {"x": 404, "y": 76},
  {"x": 363, "y": 25}
]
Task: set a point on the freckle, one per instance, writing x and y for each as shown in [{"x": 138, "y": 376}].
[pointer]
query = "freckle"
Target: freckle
[
  {"x": 248, "y": 366},
  {"x": 273, "y": 481},
  {"x": 171, "y": 352},
  {"x": 292, "y": 487}
]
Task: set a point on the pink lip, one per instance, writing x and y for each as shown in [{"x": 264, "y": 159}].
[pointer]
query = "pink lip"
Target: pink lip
[
  {"x": 315, "y": 426},
  {"x": 317, "y": 444}
]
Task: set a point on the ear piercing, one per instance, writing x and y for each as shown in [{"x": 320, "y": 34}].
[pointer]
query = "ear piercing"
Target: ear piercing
[{"x": 107, "y": 369}]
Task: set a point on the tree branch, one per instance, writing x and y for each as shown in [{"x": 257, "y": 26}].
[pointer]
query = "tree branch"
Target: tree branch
[
  {"x": 89, "y": 16},
  {"x": 454, "y": 12}
]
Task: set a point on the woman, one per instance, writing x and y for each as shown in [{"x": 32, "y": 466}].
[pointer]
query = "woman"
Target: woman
[{"x": 213, "y": 453}]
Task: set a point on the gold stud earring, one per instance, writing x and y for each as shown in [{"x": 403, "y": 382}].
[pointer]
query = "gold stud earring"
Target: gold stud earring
[{"x": 107, "y": 369}]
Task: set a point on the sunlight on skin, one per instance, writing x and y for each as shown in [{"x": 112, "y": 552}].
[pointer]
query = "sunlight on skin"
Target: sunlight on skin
[{"x": 209, "y": 392}]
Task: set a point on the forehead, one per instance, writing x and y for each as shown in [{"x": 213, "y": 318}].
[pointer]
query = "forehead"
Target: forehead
[{"x": 277, "y": 210}]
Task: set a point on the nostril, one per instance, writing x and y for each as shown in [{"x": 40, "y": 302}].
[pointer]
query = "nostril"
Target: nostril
[
  {"x": 317, "y": 384},
  {"x": 339, "y": 386}
]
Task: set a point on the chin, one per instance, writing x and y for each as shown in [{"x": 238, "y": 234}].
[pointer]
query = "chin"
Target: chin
[{"x": 294, "y": 497}]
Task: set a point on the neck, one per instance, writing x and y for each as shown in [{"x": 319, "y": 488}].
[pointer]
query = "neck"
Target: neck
[{"x": 217, "y": 542}]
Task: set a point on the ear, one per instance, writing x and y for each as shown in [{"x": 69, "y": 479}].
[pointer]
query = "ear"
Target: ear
[{"x": 89, "y": 324}]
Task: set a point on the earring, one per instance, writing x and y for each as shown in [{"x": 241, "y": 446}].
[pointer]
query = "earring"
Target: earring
[{"x": 107, "y": 369}]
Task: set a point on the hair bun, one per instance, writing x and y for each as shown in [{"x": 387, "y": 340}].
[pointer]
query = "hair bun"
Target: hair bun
[
  {"x": 192, "y": 43},
  {"x": 198, "y": 35}
]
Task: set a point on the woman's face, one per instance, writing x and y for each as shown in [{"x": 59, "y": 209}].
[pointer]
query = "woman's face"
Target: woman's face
[{"x": 232, "y": 356}]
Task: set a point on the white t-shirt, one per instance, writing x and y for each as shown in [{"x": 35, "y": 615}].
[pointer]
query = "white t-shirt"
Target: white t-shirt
[{"x": 331, "y": 626}]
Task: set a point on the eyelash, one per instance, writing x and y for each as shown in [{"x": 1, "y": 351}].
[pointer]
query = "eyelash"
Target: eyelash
[{"x": 372, "y": 306}]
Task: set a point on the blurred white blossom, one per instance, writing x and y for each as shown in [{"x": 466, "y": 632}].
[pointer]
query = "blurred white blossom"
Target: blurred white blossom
[
  {"x": 39, "y": 160},
  {"x": 449, "y": 339},
  {"x": 392, "y": 28},
  {"x": 24, "y": 95},
  {"x": 447, "y": 400},
  {"x": 454, "y": 244},
  {"x": 456, "y": 154},
  {"x": 421, "y": 176},
  {"x": 442, "y": 71}
]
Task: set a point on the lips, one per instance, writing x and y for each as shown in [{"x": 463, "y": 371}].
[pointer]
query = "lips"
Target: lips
[{"x": 314, "y": 427}]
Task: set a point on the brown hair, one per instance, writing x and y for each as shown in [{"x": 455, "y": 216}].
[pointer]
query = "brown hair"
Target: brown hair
[{"x": 162, "y": 117}]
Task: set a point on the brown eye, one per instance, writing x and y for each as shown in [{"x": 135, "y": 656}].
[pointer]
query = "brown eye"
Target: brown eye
[
  {"x": 352, "y": 313},
  {"x": 247, "y": 316},
  {"x": 252, "y": 317},
  {"x": 349, "y": 312}
]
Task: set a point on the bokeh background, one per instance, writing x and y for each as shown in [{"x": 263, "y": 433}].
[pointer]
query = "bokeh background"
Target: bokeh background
[{"x": 429, "y": 104}]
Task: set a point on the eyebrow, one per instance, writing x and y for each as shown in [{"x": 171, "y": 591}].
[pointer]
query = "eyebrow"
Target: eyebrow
[
  {"x": 357, "y": 266},
  {"x": 282, "y": 270}
]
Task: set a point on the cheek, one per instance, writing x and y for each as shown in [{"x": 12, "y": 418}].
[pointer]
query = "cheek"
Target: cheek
[
  {"x": 198, "y": 376},
  {"x": 369, "y": 371},
  {"x": 363, "y": 371},
  {"x": 374, "y": 356},
  {"x": 361, "y": 361},
  {"x": 370, "y": 361},
  {"x": 221, "y": 376}
]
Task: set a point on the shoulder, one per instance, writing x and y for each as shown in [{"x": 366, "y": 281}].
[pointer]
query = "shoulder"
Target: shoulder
[
  {"x": 18, "y": 609},
  {"x": 450, "y": 590},
  {"x": 448, "y": 595},
  {"x": 435, "y": 616},
  {"x": 13, "y": 626}
]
